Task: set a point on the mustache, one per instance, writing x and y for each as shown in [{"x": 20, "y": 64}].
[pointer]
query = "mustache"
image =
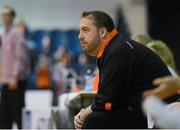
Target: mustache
[{"x": 83, "y": 42}]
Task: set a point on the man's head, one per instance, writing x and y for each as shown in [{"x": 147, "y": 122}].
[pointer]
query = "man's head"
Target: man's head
[
  {"x": 94, "y": 27},
  {"x": 8, "y": 15}
]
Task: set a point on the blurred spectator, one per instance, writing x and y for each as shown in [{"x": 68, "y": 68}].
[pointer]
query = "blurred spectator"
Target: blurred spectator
[
  {"x": 30, "y": 45},
  {"x": 96, "y": 80},
  {"x": 13, "y": 72},
  {"x": 21, "y": 26},
  {"x": 43, "y": 73},
  {"x": 122, "y": 25},
  {"x": 84, "y": 65},
  {"x": 25, "y": 57},
  {"x": 58, "y": 56},
  {"x": 161, "y": 49},
  {"x": 46, "y": 46},
  {"x": 44, "y": 65},
  {"x": 64, "y": 76},
  {"x": 91, "y": 80},
  {"x": 165, "y": 53},
  {"x": 88, "y": 80},
  {"x": 142, "y": 38}
]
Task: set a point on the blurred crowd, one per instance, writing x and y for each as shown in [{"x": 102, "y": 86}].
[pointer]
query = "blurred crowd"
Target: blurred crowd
[
  {"x": 39, "y": 60},
  {"x": 53, "y": 65}
]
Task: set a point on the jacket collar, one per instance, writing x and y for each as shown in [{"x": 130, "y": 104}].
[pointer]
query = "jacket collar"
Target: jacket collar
[{"x": 106, "y": 42}]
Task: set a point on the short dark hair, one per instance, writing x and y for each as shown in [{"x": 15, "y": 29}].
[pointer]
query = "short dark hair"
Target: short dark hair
[
  {"x": 11, "y": 10},
  {"x": 101, "y": 19}
]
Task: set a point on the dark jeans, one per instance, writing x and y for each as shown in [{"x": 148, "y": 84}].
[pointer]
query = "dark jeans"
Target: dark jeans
[
  {"x": 11, "y": 104},
  {"x": 116, "y": 119}
]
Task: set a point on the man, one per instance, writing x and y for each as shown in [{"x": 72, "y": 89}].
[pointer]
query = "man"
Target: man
[
  {"x": 126, "y": 69},
  {"x": 13, "y": 82}
]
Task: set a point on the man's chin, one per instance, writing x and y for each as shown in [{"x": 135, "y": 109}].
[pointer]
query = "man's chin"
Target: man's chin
[{"x": 86, "y": 51}]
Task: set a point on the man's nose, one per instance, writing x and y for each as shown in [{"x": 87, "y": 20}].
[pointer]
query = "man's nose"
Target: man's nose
[{"x": 80, "y": 36}]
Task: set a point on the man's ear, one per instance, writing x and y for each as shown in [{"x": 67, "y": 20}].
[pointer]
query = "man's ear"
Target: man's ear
[{"x": 103, "y": 32}]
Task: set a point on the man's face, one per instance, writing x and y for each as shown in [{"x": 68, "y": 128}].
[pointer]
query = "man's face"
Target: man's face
[
  {"x": 89, "y": 36},
  {"x": 7, "y": 17}
]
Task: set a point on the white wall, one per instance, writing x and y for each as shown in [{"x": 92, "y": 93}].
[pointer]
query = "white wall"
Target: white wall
[{"x": 65, "y": 14}]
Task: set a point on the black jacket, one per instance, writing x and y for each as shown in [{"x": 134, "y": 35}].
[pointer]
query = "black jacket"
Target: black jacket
[{"x": 126, "y": 69}]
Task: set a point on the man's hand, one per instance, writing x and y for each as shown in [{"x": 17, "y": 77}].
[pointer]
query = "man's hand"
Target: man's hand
[
  {"x": 166, "y": 87},
  {"x": 13, "y": 85},
  {"x": 80, "y": 117},
  {"x": 78, "y": 122}
]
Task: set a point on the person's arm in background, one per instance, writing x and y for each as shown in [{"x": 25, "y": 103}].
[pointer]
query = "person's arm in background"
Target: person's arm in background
[{"x": 166, "y": 87}]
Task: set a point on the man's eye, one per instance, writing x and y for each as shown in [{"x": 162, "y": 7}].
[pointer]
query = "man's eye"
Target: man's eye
[{"x": 85, "y": 30}]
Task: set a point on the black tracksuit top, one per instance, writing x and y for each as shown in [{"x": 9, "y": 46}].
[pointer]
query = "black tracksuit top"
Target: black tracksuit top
[{"x": 126, "y": 69}]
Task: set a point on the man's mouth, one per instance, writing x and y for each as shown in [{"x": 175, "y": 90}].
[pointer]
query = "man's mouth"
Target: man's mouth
[{"x": 83, "y": 42}]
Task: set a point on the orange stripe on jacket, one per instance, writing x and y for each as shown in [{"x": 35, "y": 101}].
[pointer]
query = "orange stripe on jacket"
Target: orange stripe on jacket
[{"x": 105, "y": 43}]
